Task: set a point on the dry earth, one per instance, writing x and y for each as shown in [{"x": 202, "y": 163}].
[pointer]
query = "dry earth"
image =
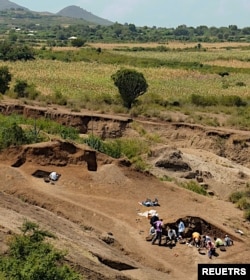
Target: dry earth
[{"x": 95, "y": 214}]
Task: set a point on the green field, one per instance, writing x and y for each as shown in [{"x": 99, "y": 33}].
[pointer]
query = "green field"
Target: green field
[{"x": 173, "y": 77}]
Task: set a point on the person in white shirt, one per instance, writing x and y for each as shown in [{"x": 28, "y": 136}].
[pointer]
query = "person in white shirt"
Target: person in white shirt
[
  {"x": 172, "y": 235},
  {"x": 54, "y": 176}
]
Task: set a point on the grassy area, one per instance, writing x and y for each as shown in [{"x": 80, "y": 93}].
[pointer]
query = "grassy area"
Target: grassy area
[{"x": 173, "y": 77}]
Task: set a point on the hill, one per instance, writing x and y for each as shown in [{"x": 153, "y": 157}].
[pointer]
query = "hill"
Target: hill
[
  {"x": 6, "y": 5},
  {"x": 77, "y": 12},
  {"x": 96, "y": 216},
  {"x": 72, "y": 12}
]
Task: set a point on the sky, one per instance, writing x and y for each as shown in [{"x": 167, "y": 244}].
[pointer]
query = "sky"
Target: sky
[{"x": 159, "y": 13}]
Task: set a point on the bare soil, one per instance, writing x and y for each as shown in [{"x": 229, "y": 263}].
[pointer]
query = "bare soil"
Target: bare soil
[{"x": 95, "y": 214}]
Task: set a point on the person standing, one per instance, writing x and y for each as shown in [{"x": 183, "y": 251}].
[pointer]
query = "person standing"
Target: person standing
[
  {"x": 211, "y": 249},
  {"x": 158, "y": 229},
  {"x": 153, "y": 219},
  {"x": 181, "y": 229}
]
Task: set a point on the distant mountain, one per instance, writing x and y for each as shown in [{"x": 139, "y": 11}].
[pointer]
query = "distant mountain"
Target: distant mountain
[
  {"x": 7, "y": 5},
  {"x": 73, "y": 12},
  {"x": 77, "y": 12}
]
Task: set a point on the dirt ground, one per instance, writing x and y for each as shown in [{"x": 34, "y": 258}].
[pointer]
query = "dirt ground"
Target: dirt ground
[{"x": 96, "y": 214}]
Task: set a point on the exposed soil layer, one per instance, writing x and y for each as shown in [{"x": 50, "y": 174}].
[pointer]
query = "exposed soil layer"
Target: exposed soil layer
[{"x": 93, "y": 208}]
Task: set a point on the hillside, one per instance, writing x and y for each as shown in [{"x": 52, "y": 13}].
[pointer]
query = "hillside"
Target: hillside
[
  {"x": 72, "y": 12},
  {"x": 6, "y": 5},
  {"x": 77, "y": 12},
  {"x": 96, "y": 215}
]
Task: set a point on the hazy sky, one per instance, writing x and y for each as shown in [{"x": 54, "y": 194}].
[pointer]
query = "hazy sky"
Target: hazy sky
[{"x": 160, "y": 13}]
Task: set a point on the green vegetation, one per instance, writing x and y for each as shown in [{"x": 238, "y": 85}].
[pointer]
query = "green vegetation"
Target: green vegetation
[
  {"x": 133, "y": 149},
  {"x": 5, "y": 78},
  {"x": 10, "y": 50},
  {"x": 213, "y": 100},
  {"x": 131, "y": 84},
  {"x": 24, "y": 90},
  {"x": 242, "y": 201},
  {"x": 53, "y": 29},
  {"x": 194, "y": 187},
  {"x": 17, "y": 130},
  {"x": 30, "y": 257}
]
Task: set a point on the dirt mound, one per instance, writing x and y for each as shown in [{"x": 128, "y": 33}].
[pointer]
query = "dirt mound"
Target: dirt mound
[{"x": 57, "y": 153}]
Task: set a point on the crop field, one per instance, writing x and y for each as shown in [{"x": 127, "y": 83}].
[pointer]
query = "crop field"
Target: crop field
[{"x": 89, "y": 84}]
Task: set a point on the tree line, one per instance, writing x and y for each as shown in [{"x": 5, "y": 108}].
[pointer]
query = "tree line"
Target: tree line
[{"x": 34, "y": 28}]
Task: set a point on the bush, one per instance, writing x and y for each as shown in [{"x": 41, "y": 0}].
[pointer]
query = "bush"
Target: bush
[
  {"x": 29, "y": 257},
  {"x": 200, "y": 100},
  {"x": 12, "y": 135},
  {"x": 243, "y": 203},
  {"x": 236, "y": 196},
  {"x": 58, "y": 98},
  {"x": 212, "y": 100},
  {"x": 247, "y": 214},
  {"x": 21, "y": 88},
  {"x": 232, "y": 100}
]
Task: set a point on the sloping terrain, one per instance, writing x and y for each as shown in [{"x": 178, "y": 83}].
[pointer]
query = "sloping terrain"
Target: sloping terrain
[
  {"x": 77, "y": 12},
  {"x": 93, "y": 208}
]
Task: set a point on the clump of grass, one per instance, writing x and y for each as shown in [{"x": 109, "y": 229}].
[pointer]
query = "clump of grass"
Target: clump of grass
[
  {"x": 166, "y": 178},
  {"x": 236, "y": 196},
  {"x": 194, "y": 187},
  {"x": 242, "y": 201}
]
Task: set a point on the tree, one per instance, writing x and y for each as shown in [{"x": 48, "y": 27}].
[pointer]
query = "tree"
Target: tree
[
  {"x": 13, "y": 51},
  {"x": 79, "y": 42},
  {"x": 5, "y": 78},
  {"x": 131, "y": 84},
  {"x": 21, "y": 88}
]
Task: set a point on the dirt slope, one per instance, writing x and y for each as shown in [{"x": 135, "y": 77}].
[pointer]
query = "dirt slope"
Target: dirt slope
[{"x": 95, "y": 214}]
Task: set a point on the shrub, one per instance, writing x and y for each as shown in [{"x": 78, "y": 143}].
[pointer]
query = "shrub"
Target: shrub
[
  {"x": 29, "y": 257},
  {"x": 243, "y": 203},
  {"x": 232, "y": 100},
  {"x": 247, "y": 214},
  {"x": 12, "y": 135},
  {"x": 200, "y": 100},
  {"x": 21, "y": 88},
  {"x": 58, "y": 98},
  {"x": 240, "y": 84},
  {"x": 236, "y": 196}
]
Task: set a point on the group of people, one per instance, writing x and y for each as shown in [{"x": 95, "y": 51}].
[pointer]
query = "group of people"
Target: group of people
[
  {"x": 157, "y": 227},
  {"x": 205, "y": 241},
  {"x": 196, "y": 240}
]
